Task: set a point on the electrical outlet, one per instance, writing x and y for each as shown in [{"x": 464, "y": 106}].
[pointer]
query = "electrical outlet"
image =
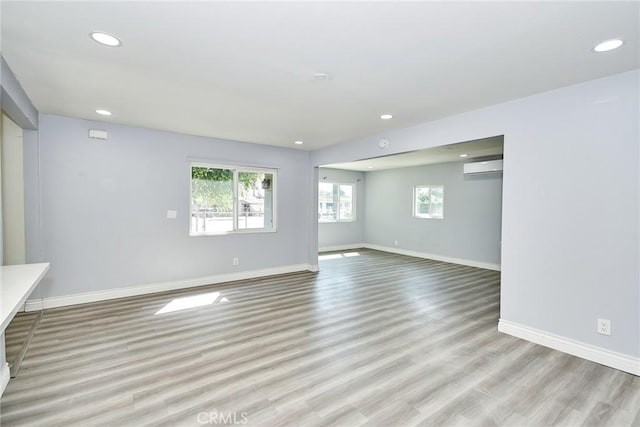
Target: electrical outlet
[
  {"x": 395, "y": 243},
  {"x": 604, "y": 326},
  {"x": 236, "y": 261}
]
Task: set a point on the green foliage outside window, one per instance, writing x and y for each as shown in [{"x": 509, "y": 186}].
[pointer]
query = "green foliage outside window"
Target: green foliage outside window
[{"x": 213, "y": 188}]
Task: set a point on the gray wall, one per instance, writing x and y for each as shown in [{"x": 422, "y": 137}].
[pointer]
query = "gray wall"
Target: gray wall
[
  {"x": 571, "y": 203},
  {"x": 103, "y": 208},
  {"x": 344, "y": 233},
  {"x": 471, "y": 226}
]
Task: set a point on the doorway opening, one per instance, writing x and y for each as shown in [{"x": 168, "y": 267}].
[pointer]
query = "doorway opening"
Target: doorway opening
[{"x": 442, "y": 203}]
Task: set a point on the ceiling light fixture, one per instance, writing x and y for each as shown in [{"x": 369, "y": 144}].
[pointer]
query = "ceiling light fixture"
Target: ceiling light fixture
[
  {"x": 298, "y": 142},
  {"x": 369, "y": 167},
  {"x": 464, "y": 155},
  {"x": 608, "y": 45},
  {"x": 105, "y": 39},
  {"x": 386, "y": 116},
  {"x": 104, "y": 112}
]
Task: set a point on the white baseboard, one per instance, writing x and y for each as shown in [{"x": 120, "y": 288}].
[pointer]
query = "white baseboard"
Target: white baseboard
[
  {"x": 129, "y": 291},
  {"x": 5, "y": 376},
  {"x": 342, "y": 247},
  {"x": 468, "y": 262},
  {"x": 599, "y": 355}
]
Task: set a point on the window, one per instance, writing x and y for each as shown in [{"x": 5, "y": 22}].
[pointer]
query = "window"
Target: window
[
  {"x": 227, "y": 199},
  {"x": 336, "y": 202},
  {"x": 428, "y": 201}
]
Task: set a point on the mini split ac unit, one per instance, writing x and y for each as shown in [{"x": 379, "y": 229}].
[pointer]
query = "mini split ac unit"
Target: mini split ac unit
[{"x": 489, "y": 166}]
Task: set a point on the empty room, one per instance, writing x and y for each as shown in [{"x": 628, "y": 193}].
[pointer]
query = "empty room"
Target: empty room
[{"x": 320, "y": 213}]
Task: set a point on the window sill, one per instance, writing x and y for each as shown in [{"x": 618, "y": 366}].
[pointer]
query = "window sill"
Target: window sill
[{"x": 236, "y": 232}]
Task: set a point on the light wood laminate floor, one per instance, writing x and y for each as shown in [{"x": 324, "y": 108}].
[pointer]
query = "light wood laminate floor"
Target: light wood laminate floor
[{"x": 376, "y": 339}]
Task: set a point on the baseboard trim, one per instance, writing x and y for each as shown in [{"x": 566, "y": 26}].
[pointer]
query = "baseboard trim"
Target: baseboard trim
[
  {"x": 150, "y": 288},
  {"x": 467, "y": 262},
  {"x": 5, "y": 376},
  {"x": 342, "y": 247},
  {"x": 590, "y": 352}
]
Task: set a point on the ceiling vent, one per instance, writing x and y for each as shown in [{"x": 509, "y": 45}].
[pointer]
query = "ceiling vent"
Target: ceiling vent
[{"x": 489, "y": 166}]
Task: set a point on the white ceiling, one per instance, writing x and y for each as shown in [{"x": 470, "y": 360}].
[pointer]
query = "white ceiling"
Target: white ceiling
[
  {"x": 243, "y": 70},
  {"x": 475, "y": 150}
]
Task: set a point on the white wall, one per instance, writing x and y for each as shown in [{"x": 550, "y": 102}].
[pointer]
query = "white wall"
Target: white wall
[
  {"x": 30, "y": 145},
  {"x": 470, "y": 229},
  {"x": 103, "y": 208},
  {"x": 344, "y": 233},
  {"x": 571, "y": 203},
  {"x": 4, "y": 366},
  {"x": 13, "y": 234}
]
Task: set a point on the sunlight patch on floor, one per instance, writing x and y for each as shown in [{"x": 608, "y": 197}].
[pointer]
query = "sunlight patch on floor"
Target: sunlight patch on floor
[
  {"x": 337, "y": 256},
  {"x": 193, "y": 301}
]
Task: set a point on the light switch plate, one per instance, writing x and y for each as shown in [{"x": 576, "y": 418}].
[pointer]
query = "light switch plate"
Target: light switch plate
[{"x": 172, "y": 214}]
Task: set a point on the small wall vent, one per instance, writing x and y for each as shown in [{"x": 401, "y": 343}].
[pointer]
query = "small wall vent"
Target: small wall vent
[{"x": 98, "y": 134}]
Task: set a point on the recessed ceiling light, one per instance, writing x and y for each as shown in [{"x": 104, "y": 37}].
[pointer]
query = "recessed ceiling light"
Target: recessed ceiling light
[
  {"x": 464, "y": 155},
  {"x": 298, "y": 142},
  {"x": 105, "y": 39},
  {"x": 386, "y": 116},
  {"x": 103, "y": 112},
  {"x": 608, "y": 45},
  {"x": 369, "y": 167}
]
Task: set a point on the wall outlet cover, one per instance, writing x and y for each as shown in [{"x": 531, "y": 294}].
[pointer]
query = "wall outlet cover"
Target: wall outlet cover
[{"x": 604, "y": 326}]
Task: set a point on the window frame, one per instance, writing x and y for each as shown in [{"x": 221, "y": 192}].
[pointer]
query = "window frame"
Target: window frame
[
  {"x": 353, "y": 203},
  {"x": 236, "y": 200},
  {"x": 414, "y": 209}
]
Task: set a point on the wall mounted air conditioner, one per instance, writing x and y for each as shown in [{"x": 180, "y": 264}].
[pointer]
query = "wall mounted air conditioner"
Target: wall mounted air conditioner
[{"x": 488, "y": 166}]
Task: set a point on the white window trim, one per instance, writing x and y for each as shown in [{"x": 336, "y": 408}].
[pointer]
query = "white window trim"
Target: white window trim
[
  {"x": 236, "y": 208},
  {"x": 353, "y": 203},
  {"x": 426, "y": 216}
]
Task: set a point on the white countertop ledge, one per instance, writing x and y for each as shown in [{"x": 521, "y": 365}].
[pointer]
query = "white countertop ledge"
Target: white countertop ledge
[{"x": 16, "y": 284}]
